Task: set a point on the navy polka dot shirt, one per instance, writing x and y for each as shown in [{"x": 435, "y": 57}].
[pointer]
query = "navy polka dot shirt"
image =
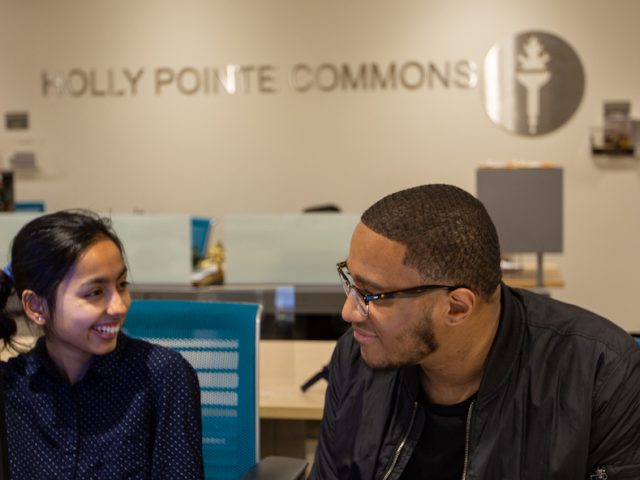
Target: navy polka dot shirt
[{"x": 135, "y": 415}]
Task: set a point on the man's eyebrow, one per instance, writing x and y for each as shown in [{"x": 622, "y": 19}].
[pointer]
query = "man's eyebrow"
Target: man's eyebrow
[{"x": 365, "y": 282}]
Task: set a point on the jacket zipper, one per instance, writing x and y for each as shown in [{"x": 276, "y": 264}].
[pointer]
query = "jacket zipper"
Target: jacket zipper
[
  {"x": 402, "y": 443},
  {"x": 600, "y": 474},
  {"x": 466, "y": 442}
]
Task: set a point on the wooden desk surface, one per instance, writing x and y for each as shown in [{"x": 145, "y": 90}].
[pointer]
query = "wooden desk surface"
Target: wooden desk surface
[
  {"x": 284, "y": 366},
  {"x": 526, "y": 278}
]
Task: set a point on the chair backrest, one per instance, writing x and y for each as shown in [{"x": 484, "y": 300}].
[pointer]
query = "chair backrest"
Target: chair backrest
[{"x": 220, "y": 340}]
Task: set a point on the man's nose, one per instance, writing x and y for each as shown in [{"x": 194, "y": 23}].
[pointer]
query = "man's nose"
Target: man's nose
[{"x": 350, "y": 311}]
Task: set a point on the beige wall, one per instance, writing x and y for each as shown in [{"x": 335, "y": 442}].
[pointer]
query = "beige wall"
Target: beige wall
[{"x": 280, "y": 152}]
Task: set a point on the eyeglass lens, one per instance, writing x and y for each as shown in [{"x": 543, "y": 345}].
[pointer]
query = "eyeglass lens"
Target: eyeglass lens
[{"x": 363, "y": 308}]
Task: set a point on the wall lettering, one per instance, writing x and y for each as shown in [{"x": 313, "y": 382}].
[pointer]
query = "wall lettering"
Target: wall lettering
[
  {"x": 79, "y": 82},
  {"x": 234, "y": 79}
]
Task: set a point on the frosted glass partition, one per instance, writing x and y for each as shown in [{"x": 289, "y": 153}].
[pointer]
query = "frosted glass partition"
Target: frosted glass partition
[
  {"x": 10, "y": 223},
  {"x": 286, "y": 248},
  {"x": 158, "y": 246}
]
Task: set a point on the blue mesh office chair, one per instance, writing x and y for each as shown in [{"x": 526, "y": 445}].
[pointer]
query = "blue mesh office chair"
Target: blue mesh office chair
[{"x": 220, "y": 340}]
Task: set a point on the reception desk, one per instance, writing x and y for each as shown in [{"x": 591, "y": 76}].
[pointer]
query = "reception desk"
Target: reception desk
[
  {"x": 304, "y": 311},
  {"x": 301, "y": 312}
]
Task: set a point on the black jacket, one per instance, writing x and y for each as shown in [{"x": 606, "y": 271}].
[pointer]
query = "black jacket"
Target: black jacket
[{"x": 560, "y": 398}]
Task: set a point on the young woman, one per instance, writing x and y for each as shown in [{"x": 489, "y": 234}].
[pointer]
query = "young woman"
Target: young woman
[{"x": 87, "y": 401}]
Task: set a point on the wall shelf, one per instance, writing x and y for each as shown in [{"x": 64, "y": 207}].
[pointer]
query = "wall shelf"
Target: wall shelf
[
  {"x": 622, "y": 139},
  {"x": 613, "y": 152}
]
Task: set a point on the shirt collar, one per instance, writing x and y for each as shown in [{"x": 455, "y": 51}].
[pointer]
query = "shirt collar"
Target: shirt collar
[{"x": 38, "y": 360}]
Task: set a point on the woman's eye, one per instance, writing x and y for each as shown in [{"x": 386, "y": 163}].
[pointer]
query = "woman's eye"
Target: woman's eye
[
  {"x": 93, "y": 293},
  {"x": 124, "y": 285}
]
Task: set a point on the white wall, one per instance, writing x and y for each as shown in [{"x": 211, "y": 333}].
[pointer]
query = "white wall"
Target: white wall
[{"x": 217, "y": 154}]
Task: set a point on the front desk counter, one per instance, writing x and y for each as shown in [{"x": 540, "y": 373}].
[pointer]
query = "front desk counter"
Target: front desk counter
[
  {"x": 303, "y": 312},
  {"x": 300, "y": 312}
]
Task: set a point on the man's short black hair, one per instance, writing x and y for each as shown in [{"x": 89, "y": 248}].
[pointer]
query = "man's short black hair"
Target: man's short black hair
[{"x": 448, "y": 233}]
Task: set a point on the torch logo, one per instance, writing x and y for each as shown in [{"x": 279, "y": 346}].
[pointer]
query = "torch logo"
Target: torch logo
[{"x": 532, "y": 83}]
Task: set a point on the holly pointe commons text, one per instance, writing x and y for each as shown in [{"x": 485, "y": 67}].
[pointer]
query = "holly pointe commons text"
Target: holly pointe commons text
[{"x": 234, "y": 79}]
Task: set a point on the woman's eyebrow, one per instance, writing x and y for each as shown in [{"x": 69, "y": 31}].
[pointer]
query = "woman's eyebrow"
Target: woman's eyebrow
[{"x": 102, "y": 280}]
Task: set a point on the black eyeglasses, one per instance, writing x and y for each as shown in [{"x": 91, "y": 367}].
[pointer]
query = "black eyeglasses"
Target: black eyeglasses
[{"x": 363, "y": 299}]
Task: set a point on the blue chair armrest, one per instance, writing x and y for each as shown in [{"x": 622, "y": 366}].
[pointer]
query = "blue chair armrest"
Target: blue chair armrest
[{"x": 277, "y": 468}]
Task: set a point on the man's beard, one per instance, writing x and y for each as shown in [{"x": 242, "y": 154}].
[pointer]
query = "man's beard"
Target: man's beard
[{"x": 418, "y": 344}]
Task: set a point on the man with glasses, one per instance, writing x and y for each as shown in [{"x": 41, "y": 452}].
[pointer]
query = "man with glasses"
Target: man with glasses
[{"x": 447, "y": 373}]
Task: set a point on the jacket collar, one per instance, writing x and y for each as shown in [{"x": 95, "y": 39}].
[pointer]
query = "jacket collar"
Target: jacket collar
[
  {"x": 507, "y": 344},
  {"x": 502, "y": 355}
]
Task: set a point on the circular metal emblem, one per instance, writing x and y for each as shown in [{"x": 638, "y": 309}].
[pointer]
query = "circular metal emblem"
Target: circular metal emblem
[{"x": 532, "y": 83}]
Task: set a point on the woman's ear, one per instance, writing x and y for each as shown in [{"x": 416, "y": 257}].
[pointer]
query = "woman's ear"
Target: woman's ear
[{"x": 35, "y": 307}]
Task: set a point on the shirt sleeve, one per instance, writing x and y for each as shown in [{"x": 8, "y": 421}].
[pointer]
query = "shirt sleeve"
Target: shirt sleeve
[
  {"x": 615, "y": 430},
  {"x": 177, "y": 450},
  {"x": 323, "y": 466}
]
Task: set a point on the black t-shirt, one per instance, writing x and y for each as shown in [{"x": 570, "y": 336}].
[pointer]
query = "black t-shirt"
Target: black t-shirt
[{"x": 439, "y": 454}]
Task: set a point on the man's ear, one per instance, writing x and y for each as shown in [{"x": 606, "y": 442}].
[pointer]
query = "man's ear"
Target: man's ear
[
  {"x": 35, "y": 307},
  {"x": 462, "y": 302}
]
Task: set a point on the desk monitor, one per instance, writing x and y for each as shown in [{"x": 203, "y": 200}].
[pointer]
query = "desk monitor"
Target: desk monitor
[{"x": 525, "y": 205}]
